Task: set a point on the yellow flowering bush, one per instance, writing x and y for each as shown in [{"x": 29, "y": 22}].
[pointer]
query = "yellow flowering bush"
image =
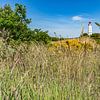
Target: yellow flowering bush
[{"x": 72, "y": 44}]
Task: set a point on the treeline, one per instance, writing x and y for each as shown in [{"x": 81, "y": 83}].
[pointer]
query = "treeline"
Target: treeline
[{"x": 95, "y": 36}]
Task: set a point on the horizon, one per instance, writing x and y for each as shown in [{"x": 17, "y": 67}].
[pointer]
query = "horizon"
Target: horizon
[{"x": 63, "y": 17}]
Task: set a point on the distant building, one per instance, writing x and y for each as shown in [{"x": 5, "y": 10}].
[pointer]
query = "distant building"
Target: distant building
[{"x": 89, "y": 28}]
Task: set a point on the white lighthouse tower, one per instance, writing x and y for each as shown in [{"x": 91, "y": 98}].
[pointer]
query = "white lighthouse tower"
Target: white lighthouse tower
[{"x": 89, "y": 28}]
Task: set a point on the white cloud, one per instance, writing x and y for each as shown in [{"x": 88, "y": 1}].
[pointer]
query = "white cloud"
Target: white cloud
[
  {"x": 83, "y": 19},
  {"x": 77, "y": 18}
]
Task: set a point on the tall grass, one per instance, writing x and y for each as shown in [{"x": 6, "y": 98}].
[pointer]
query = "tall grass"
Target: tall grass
[{"x": 32, "y": 72}]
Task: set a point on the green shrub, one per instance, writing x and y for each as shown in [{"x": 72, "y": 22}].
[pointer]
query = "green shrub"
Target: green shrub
[
  {"x": 84, "y": 34},
  {"x": 95, "y": 35}
]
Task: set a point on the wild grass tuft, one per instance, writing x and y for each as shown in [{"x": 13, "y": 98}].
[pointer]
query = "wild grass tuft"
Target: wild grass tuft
[{"x": 32, "y": 72}]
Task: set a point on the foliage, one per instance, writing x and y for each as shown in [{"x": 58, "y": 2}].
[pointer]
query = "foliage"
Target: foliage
[
  {"x": 14, "y": 26},
  {"x": 41, "y": 36},
  {"x": 95, "y": 35},
  {"x": 84, "y": 34},
  {"x": 14, "y": 21},
  {"x": 73, "y": 44},
  {"x": 55, "y": 38},
  {"x": 97, "y": 24}
]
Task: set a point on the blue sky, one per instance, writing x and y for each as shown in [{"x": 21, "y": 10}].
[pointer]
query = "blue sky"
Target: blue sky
[{"x": 61, "y": 16}]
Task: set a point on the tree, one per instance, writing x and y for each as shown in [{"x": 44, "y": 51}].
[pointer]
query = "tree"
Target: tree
[
  {"x": 14, "y": 26},
  {"x": 15, "y": 22}
]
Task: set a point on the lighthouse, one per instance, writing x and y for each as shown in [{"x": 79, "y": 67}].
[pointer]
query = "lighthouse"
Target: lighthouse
[{"x": 89, "y": 28}]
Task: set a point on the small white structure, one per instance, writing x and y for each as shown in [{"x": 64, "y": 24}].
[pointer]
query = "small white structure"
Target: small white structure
[{"x": 89, "y": 28}]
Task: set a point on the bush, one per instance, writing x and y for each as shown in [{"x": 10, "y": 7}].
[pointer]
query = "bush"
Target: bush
[
  {"x": 41, "y": 36},
  {"x": 55, "y": 39},
  {"x": 95, "y": 35},
  {"x": 84, "y": 34}
]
